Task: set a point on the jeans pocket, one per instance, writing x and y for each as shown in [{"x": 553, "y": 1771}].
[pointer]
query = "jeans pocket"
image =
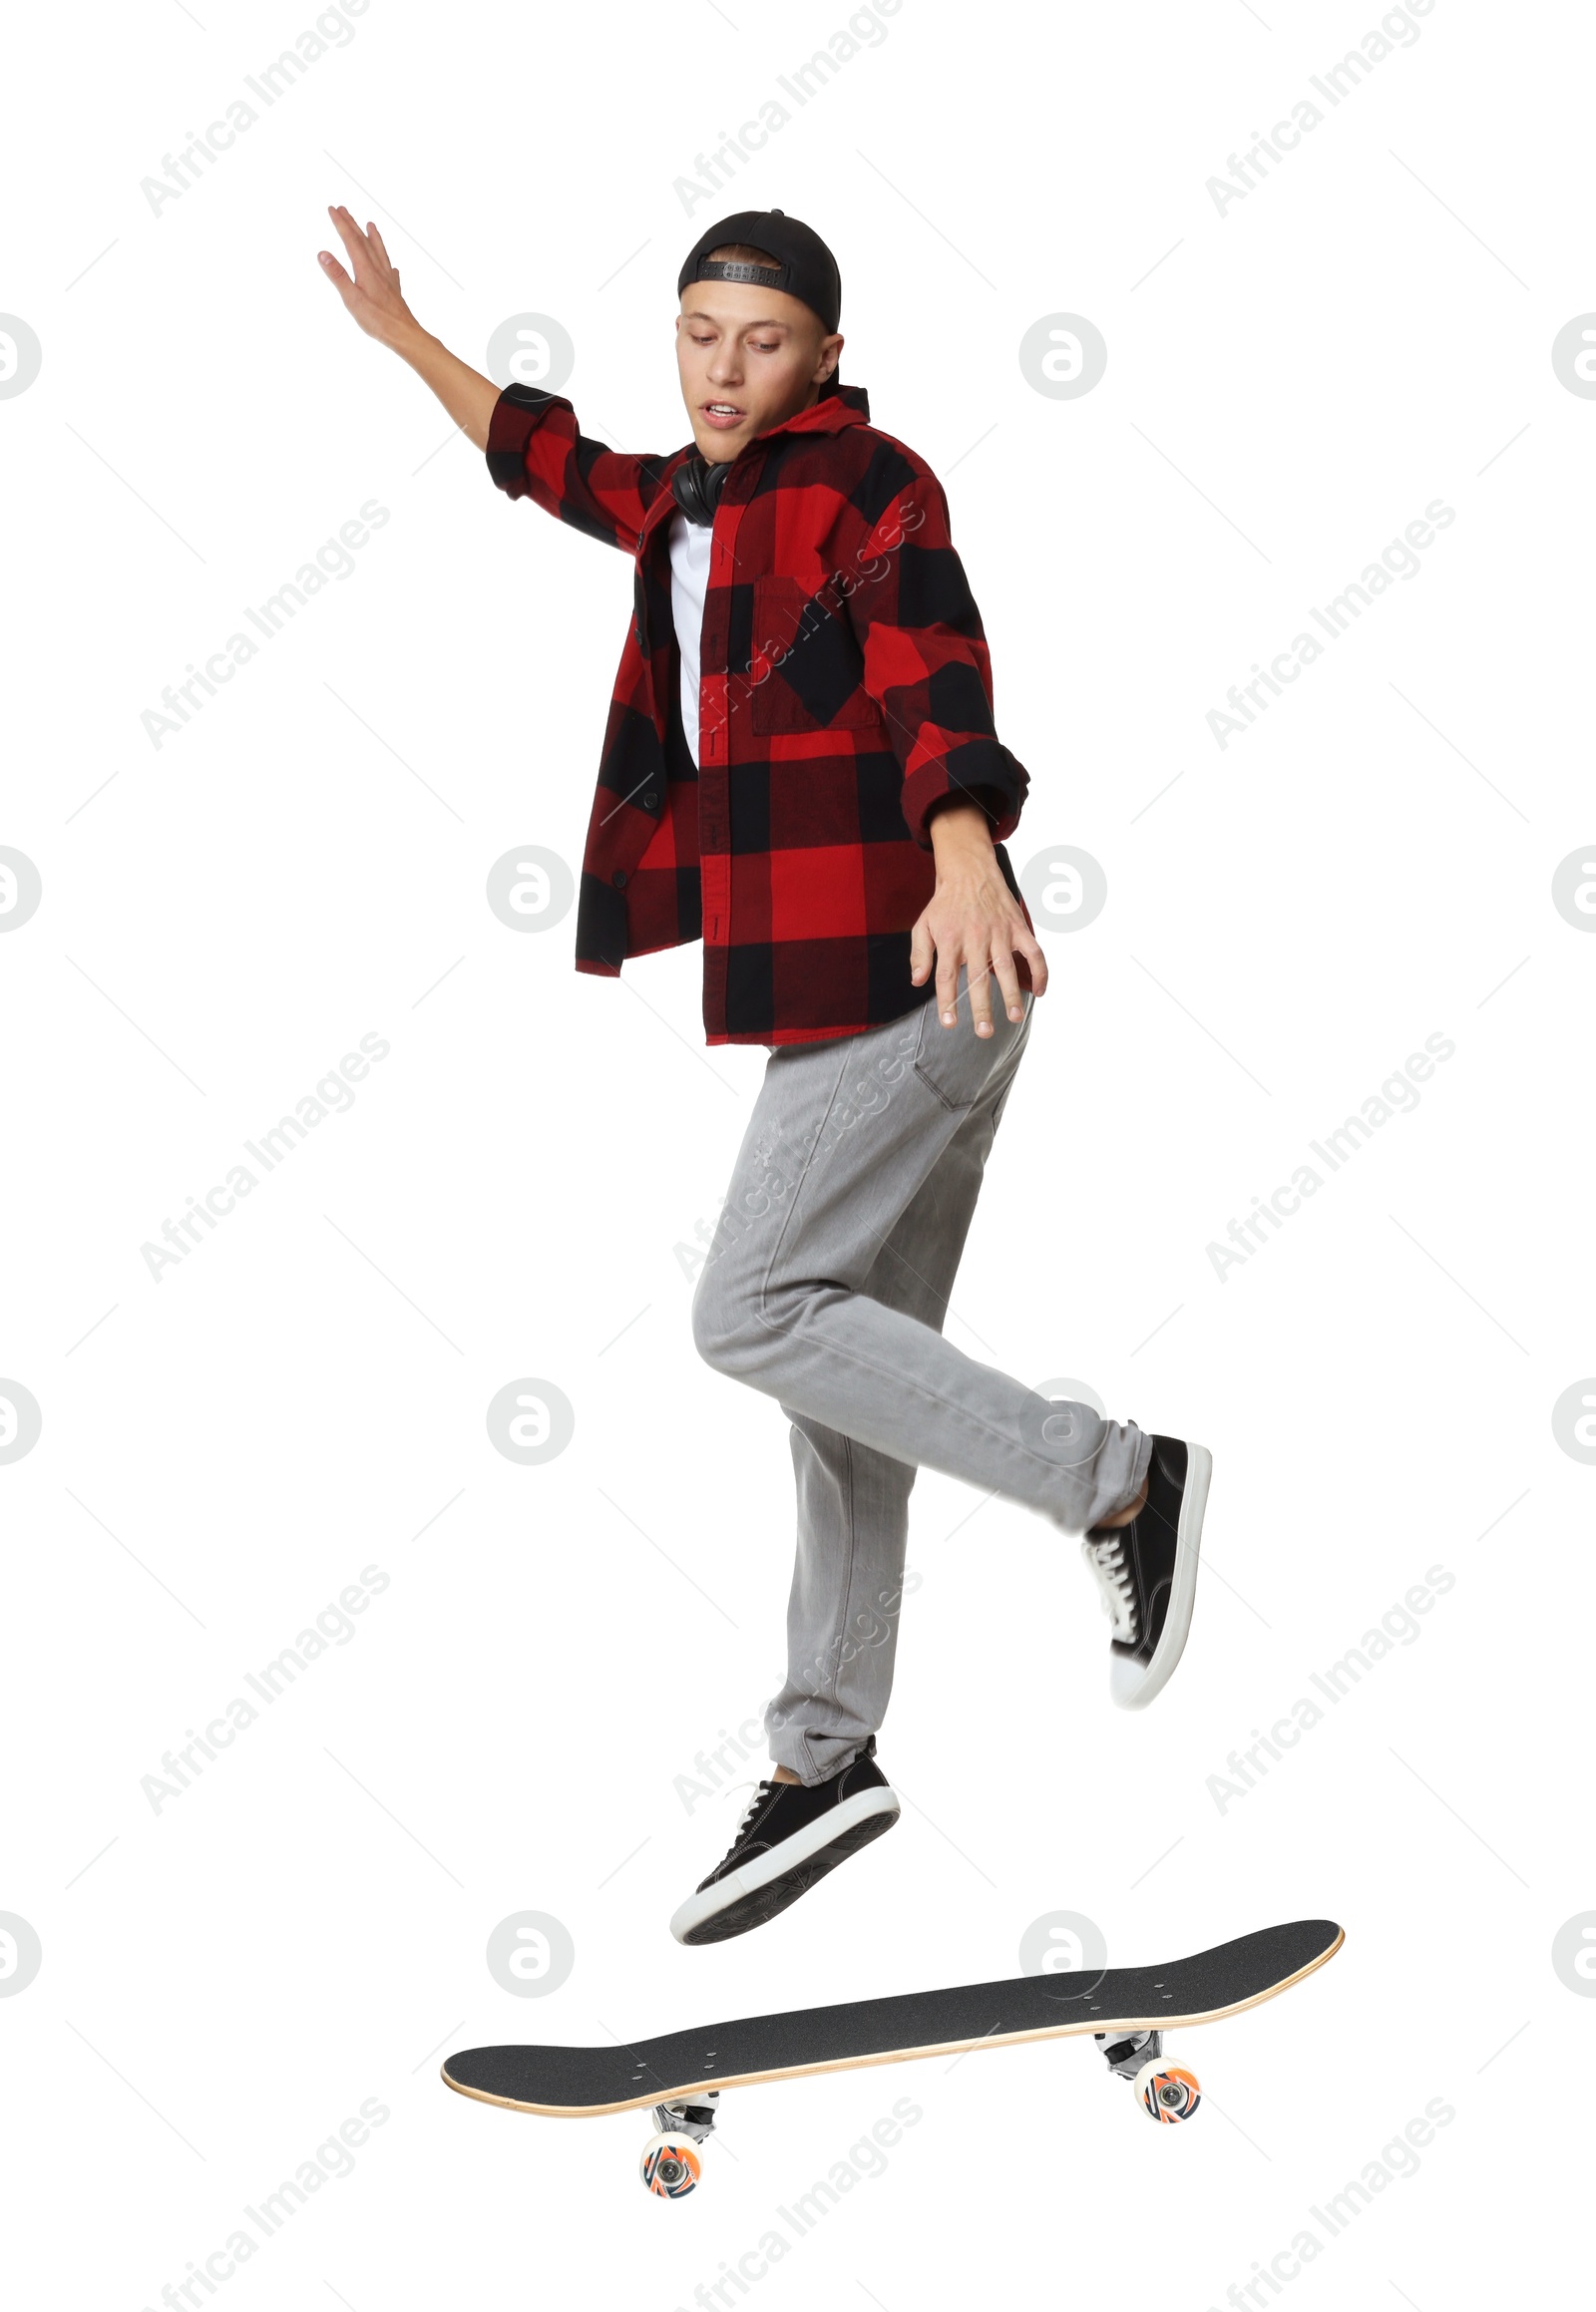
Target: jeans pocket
[{"x": 955, "y": 1062}]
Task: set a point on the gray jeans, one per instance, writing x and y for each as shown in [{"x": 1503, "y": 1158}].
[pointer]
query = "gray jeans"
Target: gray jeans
[{"x": 826, "y": 1286}]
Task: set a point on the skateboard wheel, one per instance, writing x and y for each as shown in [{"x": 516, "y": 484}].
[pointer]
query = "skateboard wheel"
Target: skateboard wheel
[
  {"x": 1166, "y": 2093},
  {"x": 670, "y": 2166}
]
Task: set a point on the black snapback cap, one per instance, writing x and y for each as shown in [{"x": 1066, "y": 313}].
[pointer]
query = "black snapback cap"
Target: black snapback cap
[{"x": 805, "y": 268}]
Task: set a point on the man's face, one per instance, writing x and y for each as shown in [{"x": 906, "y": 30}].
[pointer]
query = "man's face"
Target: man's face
[{"x": 748, "y": 357}]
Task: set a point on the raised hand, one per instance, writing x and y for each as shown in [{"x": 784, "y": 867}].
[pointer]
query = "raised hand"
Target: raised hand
[{"x": 372, "y": 296}]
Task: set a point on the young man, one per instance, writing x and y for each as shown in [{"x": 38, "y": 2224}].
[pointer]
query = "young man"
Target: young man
[{"x": 801, "y": 768}]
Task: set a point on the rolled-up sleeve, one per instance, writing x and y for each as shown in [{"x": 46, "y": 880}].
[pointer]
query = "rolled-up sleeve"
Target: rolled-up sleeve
[
  {"x": 927, "y": 664},
  {"x": 534, "y": 449}
]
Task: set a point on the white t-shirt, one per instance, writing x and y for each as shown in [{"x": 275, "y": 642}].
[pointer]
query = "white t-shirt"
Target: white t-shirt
[{"x": 689, "y": 583}]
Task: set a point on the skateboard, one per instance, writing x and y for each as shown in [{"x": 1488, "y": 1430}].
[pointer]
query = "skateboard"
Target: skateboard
[{"x": 680, "y": 2078}]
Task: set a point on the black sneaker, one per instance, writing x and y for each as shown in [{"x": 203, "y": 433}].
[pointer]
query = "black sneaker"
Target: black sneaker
[
  {"x": 788, "y": 1839},
  {"x": 1148, "y": 1570}
]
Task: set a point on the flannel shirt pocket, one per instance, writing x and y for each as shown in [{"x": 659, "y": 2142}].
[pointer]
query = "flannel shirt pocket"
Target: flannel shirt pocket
[{"x": 813, "y": 668}]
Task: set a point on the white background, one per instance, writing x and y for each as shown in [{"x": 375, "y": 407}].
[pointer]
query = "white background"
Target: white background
[{"x": 1288, "y": 384}]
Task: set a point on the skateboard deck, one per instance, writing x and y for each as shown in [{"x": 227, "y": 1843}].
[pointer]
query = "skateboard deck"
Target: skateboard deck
[{"x": 1126, "y": 2007}]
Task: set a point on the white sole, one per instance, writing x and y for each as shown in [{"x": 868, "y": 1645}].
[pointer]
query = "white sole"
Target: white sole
[
  {"x": 776, "y": 1862},
  {"x": 1143, "y": 1685}
]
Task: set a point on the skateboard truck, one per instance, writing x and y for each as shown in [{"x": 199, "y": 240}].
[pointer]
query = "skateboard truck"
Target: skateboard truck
[
  {"x": 1166, "y": 2092},
  {"x": 694, "y": 2116},
  {"x": 1126, "y": 2051},
  {"x": 670, "y": 2166}
]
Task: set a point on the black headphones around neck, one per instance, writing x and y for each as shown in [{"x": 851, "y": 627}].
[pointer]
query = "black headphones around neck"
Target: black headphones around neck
[{"x": 697, "y": 487}]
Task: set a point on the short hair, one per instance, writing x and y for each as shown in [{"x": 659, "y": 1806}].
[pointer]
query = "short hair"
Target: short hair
[
  {"x": 741, "y": 252},
  {"x": 737, "y": 253}
]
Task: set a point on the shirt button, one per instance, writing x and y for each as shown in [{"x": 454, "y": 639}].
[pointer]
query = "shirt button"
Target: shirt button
[
  {"x": 619, "y": 877},
  {"x": 650, "y": 800}
]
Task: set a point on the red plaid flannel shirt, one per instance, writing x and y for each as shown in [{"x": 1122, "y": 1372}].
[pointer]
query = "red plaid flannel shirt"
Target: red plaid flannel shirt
[{"x": 845, "y": 689}]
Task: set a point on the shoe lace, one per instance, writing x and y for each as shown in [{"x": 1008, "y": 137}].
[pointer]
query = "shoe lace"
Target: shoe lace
[
  {"x": 1106, "y": 1556},
  {"x": 754, "y": 1805},
  {"x": 762, "y": 1793}
]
